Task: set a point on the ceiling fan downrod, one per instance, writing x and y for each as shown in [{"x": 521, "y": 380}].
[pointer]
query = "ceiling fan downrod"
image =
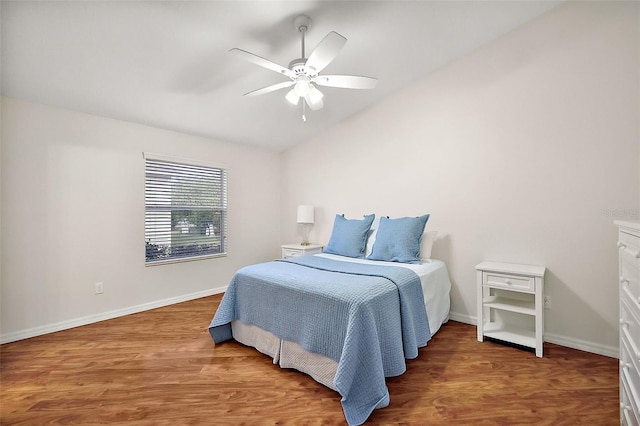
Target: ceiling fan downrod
[
  {"x": 302, "y": 30},
  {"x": 302, "y": 23}
]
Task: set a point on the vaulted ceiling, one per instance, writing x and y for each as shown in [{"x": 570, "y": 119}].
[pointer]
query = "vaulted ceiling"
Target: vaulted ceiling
[{"x": 167, "y": 63}]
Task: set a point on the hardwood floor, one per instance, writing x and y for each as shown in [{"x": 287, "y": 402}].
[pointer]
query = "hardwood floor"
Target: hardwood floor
[{"x": 160, "y": 368}]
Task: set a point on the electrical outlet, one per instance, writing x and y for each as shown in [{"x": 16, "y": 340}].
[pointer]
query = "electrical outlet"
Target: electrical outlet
[
  {"x": 99, "y": 288},
  {"x": 547, "y": 302}
]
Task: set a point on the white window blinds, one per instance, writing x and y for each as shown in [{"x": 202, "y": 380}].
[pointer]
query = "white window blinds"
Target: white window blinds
[{"x": 185, "y": 211}]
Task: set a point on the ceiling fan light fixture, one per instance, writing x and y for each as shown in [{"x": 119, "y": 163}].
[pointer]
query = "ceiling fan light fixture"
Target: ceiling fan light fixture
[
  {"x": 304, "y": 72},
  {"x": 292, "y": 97}
]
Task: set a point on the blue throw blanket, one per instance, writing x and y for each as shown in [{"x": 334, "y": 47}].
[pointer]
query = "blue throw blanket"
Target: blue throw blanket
[{"x": 368, "y": 318}]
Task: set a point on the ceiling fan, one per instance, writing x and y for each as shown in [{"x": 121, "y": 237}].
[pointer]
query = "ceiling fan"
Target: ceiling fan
[{"x": 304, "y": 72}]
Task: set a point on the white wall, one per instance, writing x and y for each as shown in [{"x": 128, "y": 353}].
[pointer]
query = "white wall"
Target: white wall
[
  {"x": 522, "y": 152},
  {"x": 73, "y": 214}
]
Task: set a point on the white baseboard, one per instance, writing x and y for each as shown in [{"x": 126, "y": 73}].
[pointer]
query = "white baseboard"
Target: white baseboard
[
  {"x": 467, "y": 319},
  {"x": 569, "y": 342},
  {"x": 77, "y": 322},
  {"x": 583, "y": 345}
]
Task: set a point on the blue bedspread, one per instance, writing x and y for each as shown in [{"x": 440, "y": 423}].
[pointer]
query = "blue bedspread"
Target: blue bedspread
[{"x": 368, "y": 318}]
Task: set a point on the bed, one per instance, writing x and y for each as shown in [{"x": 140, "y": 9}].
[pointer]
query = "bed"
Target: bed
[{"x": 348, "y": 322}]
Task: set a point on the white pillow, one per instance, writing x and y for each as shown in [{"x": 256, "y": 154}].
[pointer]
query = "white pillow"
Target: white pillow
[
  {"x": 371, "y": 239},
  {"x": 372, "y": 236},
  {"x": 426, "y": 244}
]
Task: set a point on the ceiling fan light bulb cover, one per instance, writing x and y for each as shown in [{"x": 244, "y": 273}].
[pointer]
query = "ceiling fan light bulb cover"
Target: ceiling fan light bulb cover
[
  {"x": 292, "y": 97},
  {"x": 314, "y": 94},
  {"x": 302, "y": 88}
]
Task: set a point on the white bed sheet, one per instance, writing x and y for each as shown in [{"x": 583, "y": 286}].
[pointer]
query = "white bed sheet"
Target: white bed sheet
[{"x": 436, "y": 286}]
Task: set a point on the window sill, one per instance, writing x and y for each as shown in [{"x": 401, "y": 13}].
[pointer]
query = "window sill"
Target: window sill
[{"x": 183, "y": 259}]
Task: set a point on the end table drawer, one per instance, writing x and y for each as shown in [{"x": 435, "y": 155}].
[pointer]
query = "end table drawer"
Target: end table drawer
[
  {"x": 514, "y": 282},
  {"x": 291, "y": 253},
  {"x": 296, "y": 250}
]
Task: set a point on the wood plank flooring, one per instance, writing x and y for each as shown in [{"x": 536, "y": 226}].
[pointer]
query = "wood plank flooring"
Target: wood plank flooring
[{"x": 160, "y": 367}]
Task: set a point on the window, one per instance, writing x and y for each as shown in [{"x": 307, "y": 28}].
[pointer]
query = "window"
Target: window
[{"x": 185, "y": 210}]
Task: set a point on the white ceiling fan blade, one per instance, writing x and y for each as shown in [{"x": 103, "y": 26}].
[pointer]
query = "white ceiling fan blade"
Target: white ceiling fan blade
[
  {"x": 326, "y": 51},
  {"x": 346, "y": 81},
  {"x": 265, "y": 63},
  {"x": 271, "y": 88}
]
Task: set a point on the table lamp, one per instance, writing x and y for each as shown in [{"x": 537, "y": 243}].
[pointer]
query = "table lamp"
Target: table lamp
[{"x": 306, "y": 219}]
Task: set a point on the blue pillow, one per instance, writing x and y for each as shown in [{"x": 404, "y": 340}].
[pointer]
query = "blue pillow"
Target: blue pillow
[
  {"x": 398, "y": 240},
  {"x": 349, "y": 236}
]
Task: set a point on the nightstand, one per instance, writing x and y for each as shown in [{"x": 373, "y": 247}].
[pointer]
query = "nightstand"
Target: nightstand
[
  {"x": 295, "y": 250},
  {"x": 512, "y": 289}
]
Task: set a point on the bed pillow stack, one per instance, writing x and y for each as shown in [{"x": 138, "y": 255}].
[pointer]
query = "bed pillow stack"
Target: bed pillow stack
[
  {"x": 398, "y": 240},
  {"x": 349, "y": 236}
]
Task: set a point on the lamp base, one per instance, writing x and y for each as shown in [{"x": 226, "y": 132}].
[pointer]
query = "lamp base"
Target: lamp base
[{"x": 305, "y": 234}]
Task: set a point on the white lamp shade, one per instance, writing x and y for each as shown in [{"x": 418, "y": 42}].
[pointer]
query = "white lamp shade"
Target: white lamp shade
[{"x": 305, "y": 214}]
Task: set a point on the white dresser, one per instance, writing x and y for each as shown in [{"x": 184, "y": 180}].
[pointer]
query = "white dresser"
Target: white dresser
[{"x": 629, "y": 261}]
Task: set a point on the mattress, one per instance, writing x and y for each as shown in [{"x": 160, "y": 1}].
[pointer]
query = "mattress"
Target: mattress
[{"x": 436, "y": 286}]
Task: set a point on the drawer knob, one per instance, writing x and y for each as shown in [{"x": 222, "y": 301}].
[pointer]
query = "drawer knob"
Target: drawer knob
[{"x": 507, "y": 281}]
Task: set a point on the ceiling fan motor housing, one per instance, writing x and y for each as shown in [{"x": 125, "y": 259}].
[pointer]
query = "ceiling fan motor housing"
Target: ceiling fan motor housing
[{"x": 299, "y": 66}]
